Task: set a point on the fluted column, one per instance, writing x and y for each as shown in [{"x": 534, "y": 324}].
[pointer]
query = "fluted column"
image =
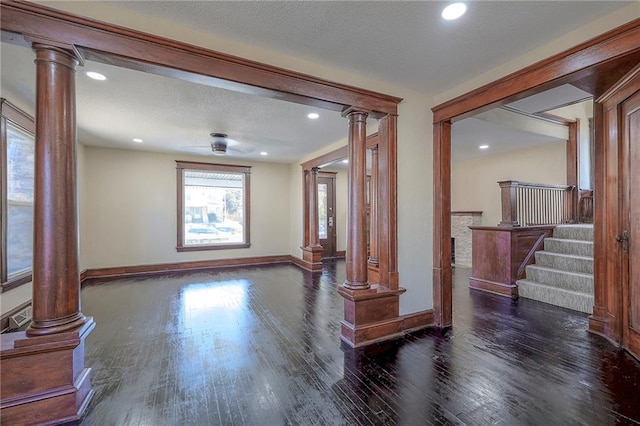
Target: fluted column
[
  {"x": 56, "y": 280},
  {"x": 373, "y": 209},
  {"x": 314, "y": 238},
  {"x": 356, "y": 255}
]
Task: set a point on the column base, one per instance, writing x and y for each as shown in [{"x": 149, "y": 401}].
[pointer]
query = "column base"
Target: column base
[
  {"x": 44, "y": 380},
  {"x": 312, "y": 257},
  {"x": 370, "y": 315}
]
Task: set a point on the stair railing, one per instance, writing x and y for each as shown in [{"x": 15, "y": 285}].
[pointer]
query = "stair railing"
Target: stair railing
[{"x": 531, "y": 204}]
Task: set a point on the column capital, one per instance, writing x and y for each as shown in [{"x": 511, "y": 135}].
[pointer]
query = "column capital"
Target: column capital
[{"x": 354, "y": 113}]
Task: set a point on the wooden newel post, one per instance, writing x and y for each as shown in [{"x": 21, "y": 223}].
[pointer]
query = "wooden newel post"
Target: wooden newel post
[
  {"x": 509, "y": 204},
  {"x": 356, "y": 255},
  {"x": 56, "y": 276}
]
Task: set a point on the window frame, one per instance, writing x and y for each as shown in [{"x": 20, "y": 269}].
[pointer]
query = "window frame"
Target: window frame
[
  {"x": 181, "y": 167},
  {"x": 10, "y": 113}
]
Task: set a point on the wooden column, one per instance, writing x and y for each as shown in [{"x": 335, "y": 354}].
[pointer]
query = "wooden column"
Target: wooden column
[
  {"x": 43, "y": 376},
  {"x": 373, "y": 261},
  {"x": 312, "y": 252},
  {"x": 56, "y": 276},
  {"x": 442, "y": 274},
  {"x": 357, "y": 213},
  {"x": 371, "y": 309}
]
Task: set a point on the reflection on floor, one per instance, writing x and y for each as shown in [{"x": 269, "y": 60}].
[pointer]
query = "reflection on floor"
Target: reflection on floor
[{"x": 260, "y": 346}]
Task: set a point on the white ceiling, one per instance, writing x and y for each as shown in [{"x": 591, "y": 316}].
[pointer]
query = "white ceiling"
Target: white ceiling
[
  {"x": 421, "y": 51},
  {"x": 402, "y": 41}
]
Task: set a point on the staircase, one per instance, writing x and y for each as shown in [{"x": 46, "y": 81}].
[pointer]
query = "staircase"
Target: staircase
[{"x": 563, "y": 272}]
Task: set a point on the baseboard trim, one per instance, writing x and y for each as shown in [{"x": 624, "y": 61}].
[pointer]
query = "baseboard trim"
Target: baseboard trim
[
  {"x": 387, "y": 330},
  {"x": 4, "y": 319},
  {"x": 163, "y": 268},
  {"x": 303, "y": 264},
  {"x": 340, "y": 254},
  {"x": 501, "y": 289}
]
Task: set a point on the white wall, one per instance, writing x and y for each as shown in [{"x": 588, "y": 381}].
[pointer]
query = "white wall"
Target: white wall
[
  {"x": 474, "y": 182},
  {"x": 130, "y": 211}
]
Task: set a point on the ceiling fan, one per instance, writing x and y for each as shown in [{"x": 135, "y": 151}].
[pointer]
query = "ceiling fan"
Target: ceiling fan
[{"x": 221, "y": 143}]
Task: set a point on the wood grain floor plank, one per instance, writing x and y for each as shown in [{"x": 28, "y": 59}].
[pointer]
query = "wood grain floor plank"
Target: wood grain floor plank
[{"x": 261, "y": 346}]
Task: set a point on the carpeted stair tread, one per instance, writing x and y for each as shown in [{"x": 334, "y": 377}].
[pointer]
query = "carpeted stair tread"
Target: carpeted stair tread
[
  {"x": 574, "y": 232},
  {"x": 565, "y": 262},
  {"x": 572, "y": 281},
  {"x": 577, "y": 301},
  {"x": 565, "y": 246}
]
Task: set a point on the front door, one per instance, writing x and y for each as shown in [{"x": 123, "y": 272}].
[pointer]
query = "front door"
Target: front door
[
  {"x": 327, "y": 215},
  {"x": 630, "y": 236}
]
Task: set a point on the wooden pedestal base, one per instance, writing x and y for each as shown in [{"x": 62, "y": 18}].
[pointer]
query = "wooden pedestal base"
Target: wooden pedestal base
[
  {"x": 370, "y": 315},
  {"x": 43, "y": 378},
  {"x": 312, "y": 258}
]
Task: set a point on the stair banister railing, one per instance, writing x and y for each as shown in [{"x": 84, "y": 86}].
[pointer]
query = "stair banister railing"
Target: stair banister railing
[{"x": 530, "y": 204}]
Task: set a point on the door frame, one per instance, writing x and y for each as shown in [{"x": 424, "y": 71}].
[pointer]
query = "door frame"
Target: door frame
[
  {"x": 592, "y": 66},
  {"x": 616, "y": 299},
  {"x": 331, "y": 235}
]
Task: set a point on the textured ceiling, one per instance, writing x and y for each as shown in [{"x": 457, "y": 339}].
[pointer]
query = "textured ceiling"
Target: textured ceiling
[{"x": 404, "y": 42}]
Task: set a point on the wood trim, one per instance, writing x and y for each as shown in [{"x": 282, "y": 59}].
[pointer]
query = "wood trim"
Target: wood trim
[
  {"x": 501, "y": 289},
  {"x": 327, "y": 158},
  {"x": 17, "y": 116},
  {"x": 529, "y": 258},
  {"x": 466, "y": 213},
  {"x": 306, "y": 265},
  {"x": 4, "y": 319},
  {"x": 442, "y": 274},
  {"x": 9, "y": 113},
  {"x": 387, "y": 137},
  {"x": 550, "y": 72},
  {"x": 203, "y": 247},
  {"x": 134, "y": 49},
  {"x": 16, "y": 281},
  {"x": 590, "y": 65},
  {"x": 181, "y": 166},
  {"x": 336, "y": 154},
  {"x": 573, "y": 166},
  {"x": 224, "y": 168},
  {"x": 340, "y": 254},
  {"x": 386, "y": 330},
  {"x": 198, "y": 265}
]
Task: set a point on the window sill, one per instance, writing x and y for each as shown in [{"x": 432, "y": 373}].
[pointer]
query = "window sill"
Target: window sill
[
  {"x": 16, "y": 282},
  {"x": 213, "y": 247}
]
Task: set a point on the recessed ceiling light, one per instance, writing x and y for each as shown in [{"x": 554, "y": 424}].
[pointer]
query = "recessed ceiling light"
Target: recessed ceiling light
[
  {"x": 264, "y": 153},
  {"x": 96, "y": 75},
  {"x": 313, "y": 115},
  {"x": 345, "y": 161},
  {"x": 483, "y": 147},
  {"x": 137, "y": 140},
  {"x": 454, "y": 11}
]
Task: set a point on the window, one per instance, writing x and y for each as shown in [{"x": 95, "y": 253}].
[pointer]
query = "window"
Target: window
[
  {"x": 17, "y": 191},
  {"x": 213, "y": 206}
]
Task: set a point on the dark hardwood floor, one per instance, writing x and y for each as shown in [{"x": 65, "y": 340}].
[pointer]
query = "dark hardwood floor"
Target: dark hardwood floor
[{"x": 260, "y": 346}]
